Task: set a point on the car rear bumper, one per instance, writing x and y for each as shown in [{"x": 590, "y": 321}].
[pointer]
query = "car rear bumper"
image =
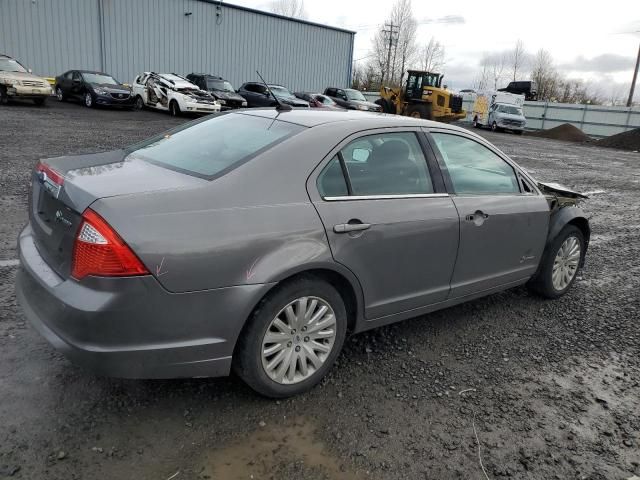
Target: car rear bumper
[{"x": 132, "y": 327}]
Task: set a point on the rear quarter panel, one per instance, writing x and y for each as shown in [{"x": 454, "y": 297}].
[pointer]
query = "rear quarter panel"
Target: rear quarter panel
[{"x": 253, "y": 225}]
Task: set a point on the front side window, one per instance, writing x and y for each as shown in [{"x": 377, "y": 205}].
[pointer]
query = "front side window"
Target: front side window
[
  {"x": 384, "y": 164},
  {"x": 214, "y": 146},
  {"x": 473, "y": 168}
]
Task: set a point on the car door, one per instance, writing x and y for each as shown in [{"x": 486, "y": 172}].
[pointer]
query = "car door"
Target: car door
[
  {"x": 503, "y": 218},
  {"x": 341, "y": 99},
  {"x": 76, "y": 84},
  {"x": 387, "y": 221}
]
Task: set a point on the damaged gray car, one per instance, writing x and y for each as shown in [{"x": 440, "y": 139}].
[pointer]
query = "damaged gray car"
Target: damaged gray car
[{"x": 256, "y": 240}]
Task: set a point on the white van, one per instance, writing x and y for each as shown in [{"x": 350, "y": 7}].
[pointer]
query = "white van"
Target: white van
[{"x": 499, "y": 111}]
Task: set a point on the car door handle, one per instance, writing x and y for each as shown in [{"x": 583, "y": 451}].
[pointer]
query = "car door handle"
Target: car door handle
[
  {"x": 478, "y": 217},
  {"x": 352, "y": 226}
]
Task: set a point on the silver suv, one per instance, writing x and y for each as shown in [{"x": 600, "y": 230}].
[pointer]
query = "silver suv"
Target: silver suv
[{"x": 18, "y": 82}]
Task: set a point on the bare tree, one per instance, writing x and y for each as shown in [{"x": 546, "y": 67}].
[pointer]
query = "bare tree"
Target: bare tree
[
  {"x": 493, "y": 69},
  {"x": 401, "y": 40},
  {"x": 405, "y": 46},
  {"x": 432, "y": 56},
  {"x": 481, "y": 82},
  {"x": 544, "y": 73},
  {"x": 517, "y": 58},
  {"x": 289, "y": 8}
]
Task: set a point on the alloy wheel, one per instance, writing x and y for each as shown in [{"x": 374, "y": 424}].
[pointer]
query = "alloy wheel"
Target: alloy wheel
[
  {"x": 59, "y": 94},
  {"x": 298, "y": 340},
  {"x": 88, "y": 100},
  {"x": 565, "y": 265}
]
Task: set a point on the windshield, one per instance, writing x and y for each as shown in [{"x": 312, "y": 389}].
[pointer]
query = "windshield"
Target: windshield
[
  {"x": 324, "y": 100},
  {"x": 11, "y": 65},
  {"x": 281, "y": 92},
  {"x": 215, "y": 146},
  {"x": 510, "y": 109},
  {"x": 220, "y": 85},
  {"x": 355, "y": 95},
  {"x": 99, "y": 78}
]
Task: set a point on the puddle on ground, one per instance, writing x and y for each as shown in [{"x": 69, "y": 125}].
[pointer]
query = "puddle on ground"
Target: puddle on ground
[{"x": 289, "y": 450}]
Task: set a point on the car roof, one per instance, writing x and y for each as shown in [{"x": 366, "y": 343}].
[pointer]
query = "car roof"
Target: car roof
[
  {"x": 307, "y": 117},
  {"x": 91, "y": 71}
]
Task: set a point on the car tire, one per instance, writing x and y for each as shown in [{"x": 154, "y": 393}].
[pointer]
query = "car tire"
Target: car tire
[
  {"x": 475, "y": 122},
  {"x": 60, "y": 94},
  {"x": 88, "y": 100},
  {"x": 174, "y": 108},
  {"x": 4, "y": 98},
  {"x": 494, "y": 127},
  {"x": 139, "y": 103},
  {"x": 420, "y": 110},
  {"x": 557, "y": 262},
  {"x": 253, "y": 356}
]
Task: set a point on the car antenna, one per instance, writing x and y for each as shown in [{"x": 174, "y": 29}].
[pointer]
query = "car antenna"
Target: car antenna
[{"x": 281, "y": 107}]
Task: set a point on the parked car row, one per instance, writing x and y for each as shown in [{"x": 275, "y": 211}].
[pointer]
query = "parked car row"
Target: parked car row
[{"x": 195, "y": 93}]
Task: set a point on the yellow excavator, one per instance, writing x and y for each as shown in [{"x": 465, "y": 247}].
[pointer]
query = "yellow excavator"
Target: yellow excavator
[{"x": 422, "y": 97}]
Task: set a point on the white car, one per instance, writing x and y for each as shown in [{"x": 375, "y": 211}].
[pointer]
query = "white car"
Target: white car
[{"x": 172, "y": 93}]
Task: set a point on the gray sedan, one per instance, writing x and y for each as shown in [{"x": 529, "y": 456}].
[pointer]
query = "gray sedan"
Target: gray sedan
[{"x": 257, "y": 240}]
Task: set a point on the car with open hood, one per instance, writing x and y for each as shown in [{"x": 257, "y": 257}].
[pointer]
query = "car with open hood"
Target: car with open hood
[
  {"x": 172, "y": 93},
  {"x": 17, "y": 82},
  {"x": 256, "y": 240},
  {"x": 92, "y": 89},
  {"x": 220, "y": 89}
]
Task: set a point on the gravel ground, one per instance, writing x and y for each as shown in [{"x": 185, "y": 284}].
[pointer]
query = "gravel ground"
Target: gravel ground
[{"x": 543, "y": 389}]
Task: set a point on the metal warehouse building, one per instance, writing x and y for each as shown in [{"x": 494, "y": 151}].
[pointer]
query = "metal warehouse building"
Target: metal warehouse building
[{"x": 127, "y": 37}]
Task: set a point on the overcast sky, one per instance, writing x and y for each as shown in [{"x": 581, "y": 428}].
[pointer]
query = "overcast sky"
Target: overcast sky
[{"x": 588, "y": 40}]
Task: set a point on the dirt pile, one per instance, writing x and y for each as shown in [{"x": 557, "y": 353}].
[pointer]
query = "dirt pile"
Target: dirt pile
[
  {"x": 629, "y": 140},
  {"x": 566, "y": 132}
]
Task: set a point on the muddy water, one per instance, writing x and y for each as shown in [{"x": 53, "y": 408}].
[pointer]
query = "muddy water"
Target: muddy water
[{"x": 288, "y": 450}]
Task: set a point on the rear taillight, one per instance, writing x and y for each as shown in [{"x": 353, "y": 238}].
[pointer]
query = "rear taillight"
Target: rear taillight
[
  {"x": 99, "y": 250},
  {"x": 51, "y": 180}
]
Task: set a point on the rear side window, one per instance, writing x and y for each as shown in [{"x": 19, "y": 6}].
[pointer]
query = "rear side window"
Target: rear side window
[
  {"x": 385, "y": 164},
  {"x": 473, "y": 168},
  {"x": 212, "y": 147}
]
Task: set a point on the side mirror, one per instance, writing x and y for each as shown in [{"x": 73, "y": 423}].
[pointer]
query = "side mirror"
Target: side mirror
[
  {"x": 360, "y": 154},
  {"x": 29, "y": 70}
]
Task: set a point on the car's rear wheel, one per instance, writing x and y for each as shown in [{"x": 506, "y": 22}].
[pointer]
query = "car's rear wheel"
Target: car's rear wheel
[
  {"x": 88, "y": 100},
  {"x": 560, "y": 263},
  {"x": 292, "y": 339},
  {"x": 174, "y": 108},
  {"x": 494, "y": 127},
  {"x": 60, "y": 94},
  {"x": 475, "y": 122}
]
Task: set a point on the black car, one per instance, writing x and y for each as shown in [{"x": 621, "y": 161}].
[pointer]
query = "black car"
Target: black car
[
  {"x": 257, "y": 95},
  {"x": 351, "y": 99},
  {"x": 221, "y": 89},
  {"x": 527, "y": 88},
  {"x": 93, "y": 88}
]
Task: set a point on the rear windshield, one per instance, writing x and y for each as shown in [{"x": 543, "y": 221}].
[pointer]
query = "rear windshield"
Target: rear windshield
[{"x": 214, "y": 146}]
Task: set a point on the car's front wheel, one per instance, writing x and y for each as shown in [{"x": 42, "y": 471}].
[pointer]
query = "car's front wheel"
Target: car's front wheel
[
  {"x": 60, "y": 94},
  {"x": 292, "y": 339},
  {"x": 4, "y": 98},
  {"x": 174, "y": 108},
  {"x": 560, "y": 263},
  {"x": 88, "y": 100}
]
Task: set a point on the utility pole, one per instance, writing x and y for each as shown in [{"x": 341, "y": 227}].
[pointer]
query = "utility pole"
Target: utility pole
[
  {"x": 633, "y": 82},
  {"x": 391, "y": 34}
]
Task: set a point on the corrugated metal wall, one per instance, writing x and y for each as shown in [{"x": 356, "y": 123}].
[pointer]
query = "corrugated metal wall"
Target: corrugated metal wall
[{"x": 126, "y": 37}]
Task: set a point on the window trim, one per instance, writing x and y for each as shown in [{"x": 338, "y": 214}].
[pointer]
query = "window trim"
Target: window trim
[
  {"x": 439, "y": 189},
  {"x": 445, "y": 171}
]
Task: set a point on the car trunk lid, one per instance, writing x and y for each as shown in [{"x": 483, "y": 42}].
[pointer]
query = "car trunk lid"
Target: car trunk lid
[{"x": 56, "y": 203}]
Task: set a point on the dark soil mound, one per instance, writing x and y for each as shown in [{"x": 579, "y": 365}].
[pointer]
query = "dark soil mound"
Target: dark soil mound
[
  {"x": 629, "y": 140},
  {"x": 566, "y": 132}
]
